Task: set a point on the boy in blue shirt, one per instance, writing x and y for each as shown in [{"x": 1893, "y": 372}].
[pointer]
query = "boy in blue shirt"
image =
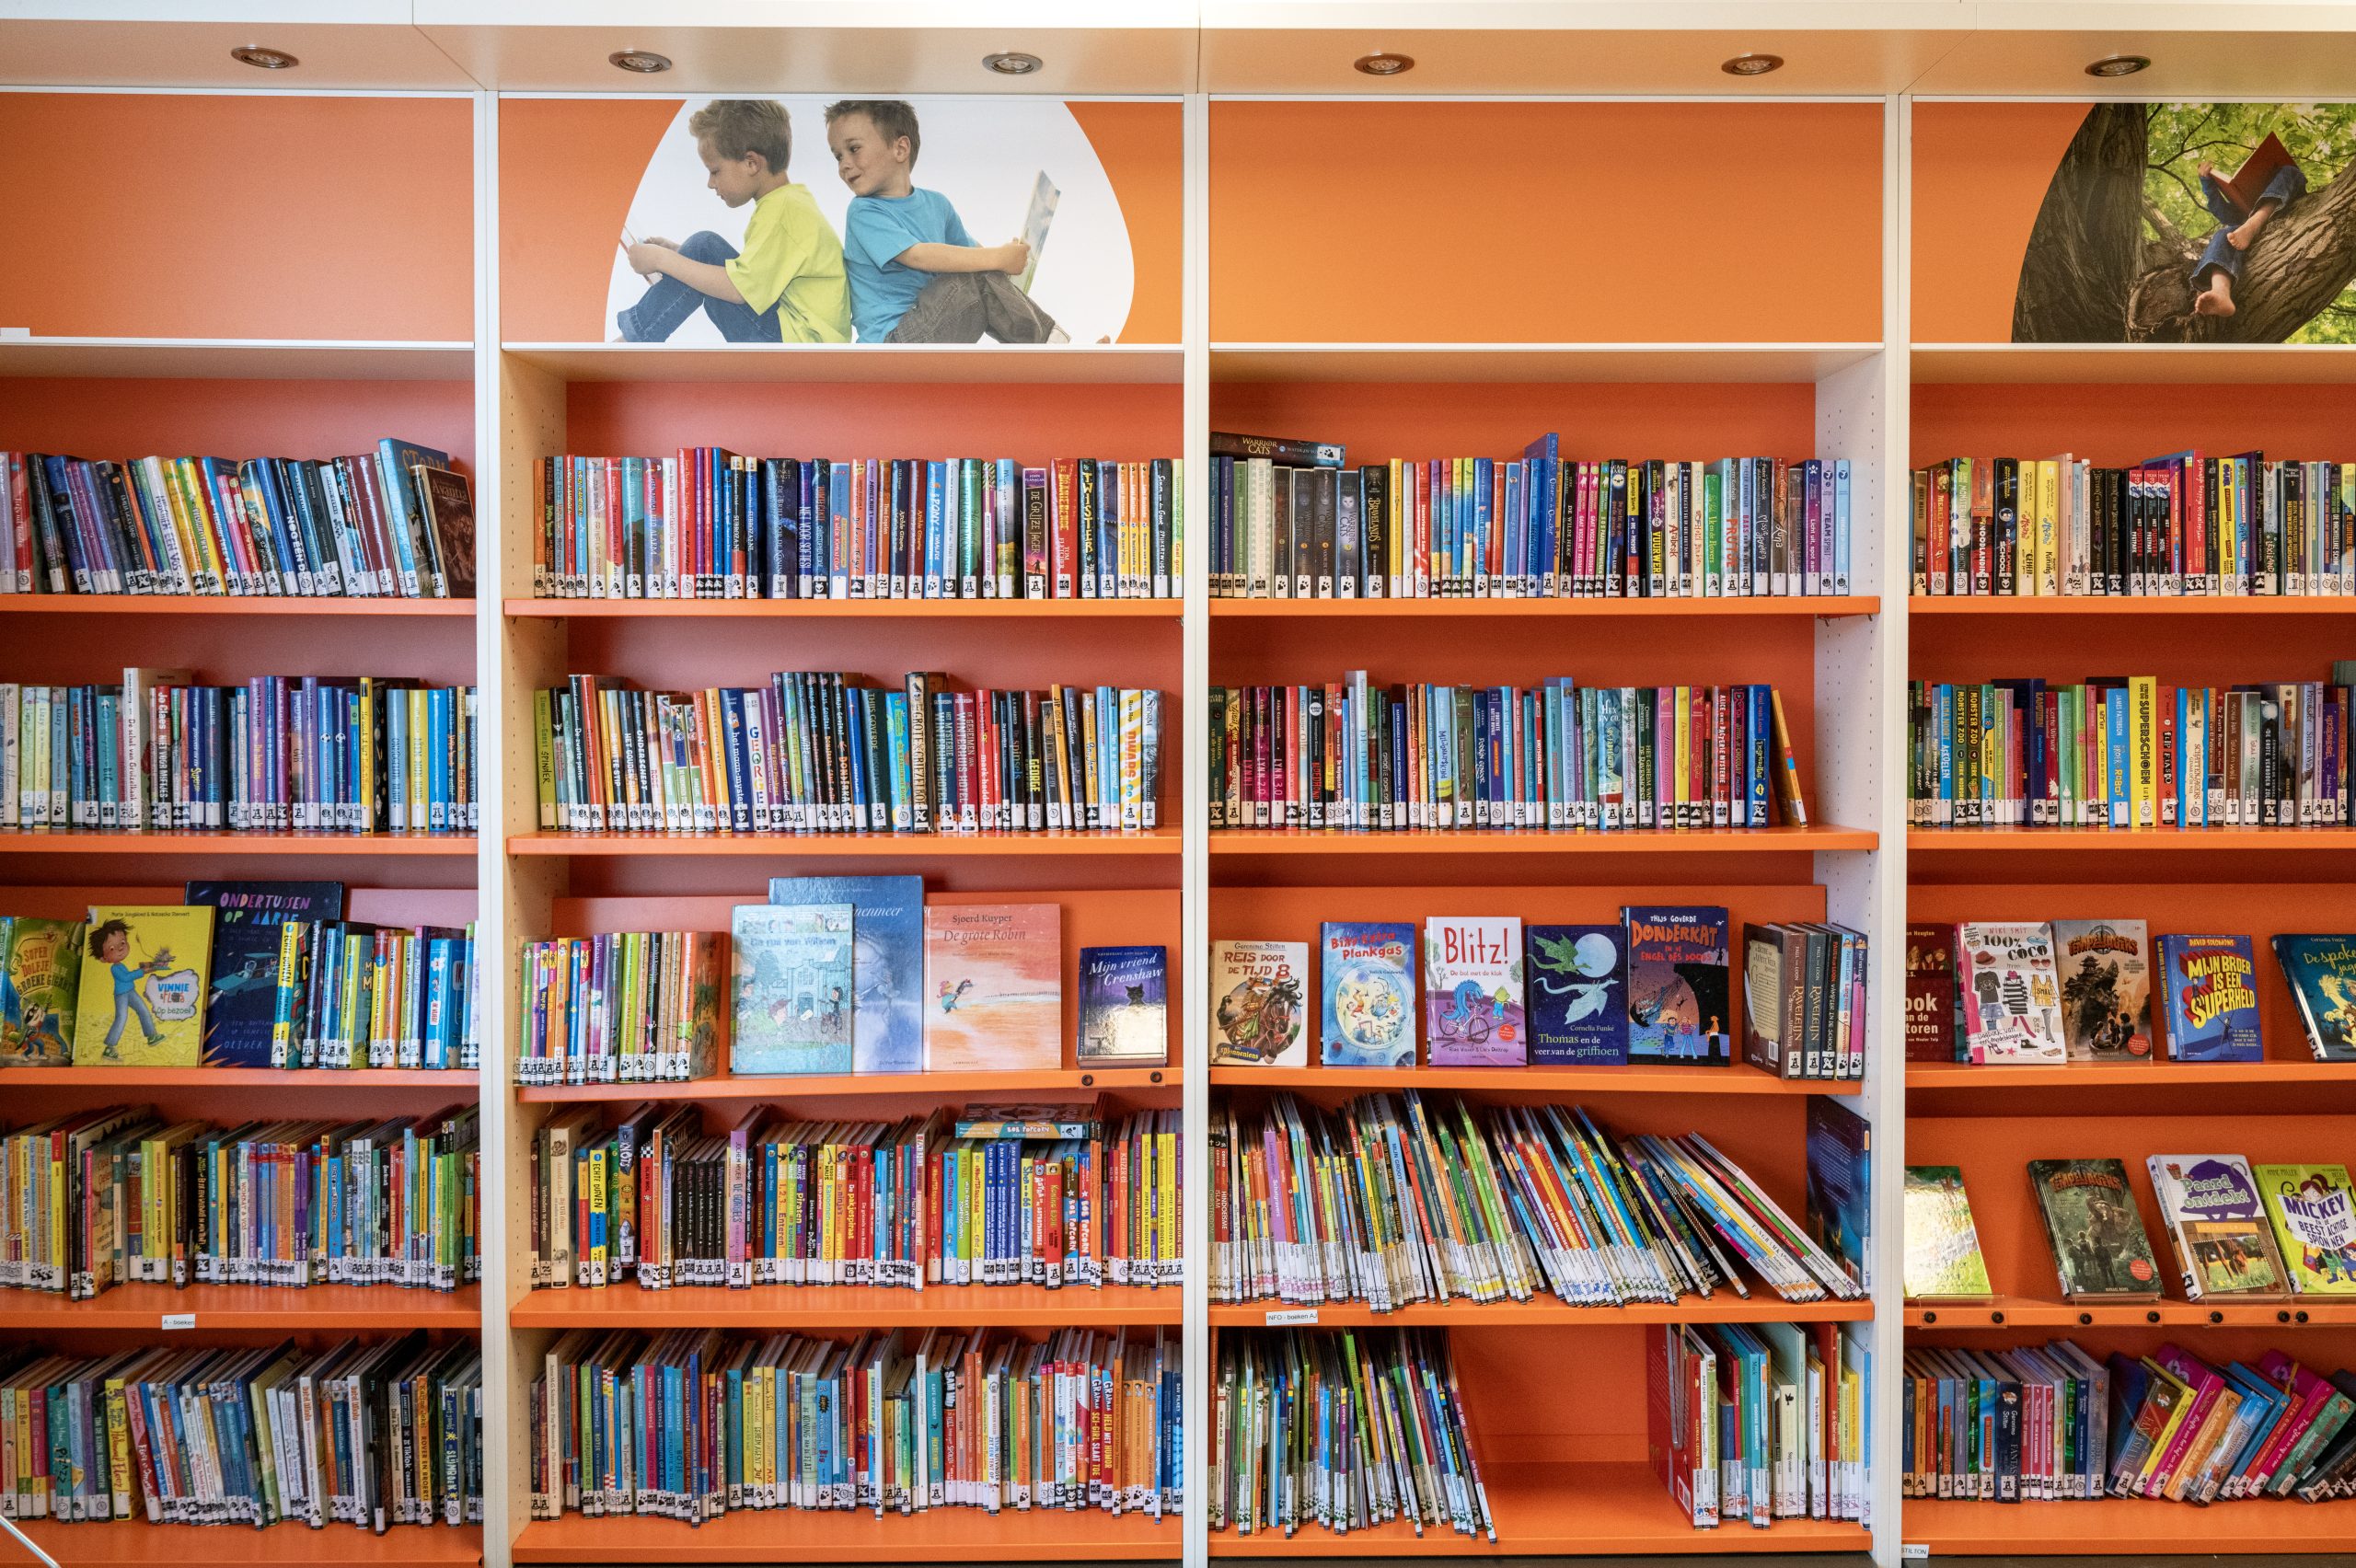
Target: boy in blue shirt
[{"x": 916, "y": 275}]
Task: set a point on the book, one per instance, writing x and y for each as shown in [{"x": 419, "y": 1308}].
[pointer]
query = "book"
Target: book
[
  {"x": 1367, "y": 972},
  {"x": 2321, "y": 971},
  {"x": 2105, "y": 967},
  {"x": 1840, "y": 1185},
  {"x": 1258, "y": 999},
  {"x": 887, "y": 962},
  {"x": 1036, "y": 222},
  {"x": 2248, "y": 183},
  {"x": 2100, "y": 1252},
  {"x": 1931, "y": 1030},
  {"x": 790, "y": 975},
  {"x": 993, "y": 986},
  {"x": 1678, "y": 998},
  {"x": 1041, "y": 1122},
  {"x": 1578, "y": 1004},
  {"x": 2011, "y": 999},
  {"x": 2315, "y": 1224},
  {"x": 2212, "y": 999},
  {"x": 1943, "y": 1258},
  {"x": 1124, "y": 1007},
  {"x": 142, "y": 983},
  {"x": 241, "y": 1007},
  {"x": 449, "y": 504},
  {"x": 1803, "y": 999},
  {"x": 1473, "y": 992},
  {"x": 624, "y": 1007},
  {"x": 40, "y": 989},
  {"x": 2217, "y": 1224}
]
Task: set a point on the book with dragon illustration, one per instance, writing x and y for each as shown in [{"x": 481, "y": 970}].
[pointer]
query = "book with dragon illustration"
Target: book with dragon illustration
[{"x": 1577, "y": 990}]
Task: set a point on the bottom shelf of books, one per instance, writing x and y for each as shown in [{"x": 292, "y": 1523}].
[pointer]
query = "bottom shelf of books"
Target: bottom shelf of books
[{"x": 2130, "y": 1526}]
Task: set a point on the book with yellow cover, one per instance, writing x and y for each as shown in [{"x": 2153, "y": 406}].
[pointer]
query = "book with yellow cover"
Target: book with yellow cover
[{"x": 143, "y": 973}]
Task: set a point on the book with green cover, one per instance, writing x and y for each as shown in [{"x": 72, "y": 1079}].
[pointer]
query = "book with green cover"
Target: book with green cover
[
  {"x": 2100, "y": 1252},
  {"x": 1943, "y": 1257},
  {"x": 2315, "y": 1219},
  {"x": 141, "y": 1000},
  {"x": 38, "y": 987},
  {"x": 792, "y": 976}
]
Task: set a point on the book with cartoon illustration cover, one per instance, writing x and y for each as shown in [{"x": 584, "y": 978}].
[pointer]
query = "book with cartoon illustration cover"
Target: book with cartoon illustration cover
[
  {"x": 2212, "y": 999},
  {"x": 2216, "y": 1222},
  {"x": 40, "y": 989},
  {"x": 2011, "y": 1000},
  {"x": 993, "y": 987},
  {"x": 1366, "y": 974},
  {"x": 790, "y": 974},
  {"x": 2104, "y": 969},
  {"x": 887, "y": 962},
  {"x": 1577, "y": 980},
  {"x": 142, "y": 994},
  {"x": 2100, "y": 1252},
  {"x": 2315, "y": 1223},
  {"x": 1259, "y": 999},
  {"x": 1472, "y": 996},
  {"x": 249, "y": 929},
  {"x": 2322, "y": 973},
  {"x": 1678, "y": 996}
]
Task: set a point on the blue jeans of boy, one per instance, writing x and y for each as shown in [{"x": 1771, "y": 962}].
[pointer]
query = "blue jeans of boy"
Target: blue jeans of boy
[
  {"x": 2287, "y": 186},
  {"x": 668, "y": 303}
]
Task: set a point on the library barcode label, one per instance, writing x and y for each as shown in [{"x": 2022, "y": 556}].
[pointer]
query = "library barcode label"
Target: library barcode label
[
  {"x": 1293, "y": 1317},
  {"x": 180, "y": 1320}
]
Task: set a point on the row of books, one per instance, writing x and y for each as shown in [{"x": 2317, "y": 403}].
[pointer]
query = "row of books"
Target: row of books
[
  {"x": 2055, "y": 1423},
  {"x": 94, "y": 1199},
  {"x": 1290, "y": 521},
  {"x": 694, "y": 1424},
  {"x": 1389, "y": 1202},
  {"x": 276, "y": 754},
  {"x": 395, "y": 523},
  {"x": 2029, "y": 992},
  {"x": 2129, "y": 753},
  {"x": 1752, "y": 1423},
  {"x": 1342, "y": 1429},
  {"x": 2239, "y": 1232},
  {"x": 711, "y": 524},
  {"x": 821, "y": 753},
  {"x": 370, "y": 1434},
  {"x": 244, "y": 974},
  {"x": 1051, "y": 1195},
  {"x": 1356, "y": 755},
  {"x": 2182, "y": 525}
]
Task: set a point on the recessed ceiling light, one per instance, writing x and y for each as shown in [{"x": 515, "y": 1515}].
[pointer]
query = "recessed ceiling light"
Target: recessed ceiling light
[
  {"x": 1013, "y": 62},
  {"x": 1383, "y": 65},
  {"x": 2120, "y": 65},
  {"x": 264, "y": 59},
  {"x": 639, "y": 62},
  {"x": 1752, "y": 64}
]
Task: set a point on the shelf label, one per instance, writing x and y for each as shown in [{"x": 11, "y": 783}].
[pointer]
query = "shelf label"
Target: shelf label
[
  {"x": 1292, "y": 1318},
  {"x": 180, "y": 1320},
  {"x": 1914, "y": 1552}
]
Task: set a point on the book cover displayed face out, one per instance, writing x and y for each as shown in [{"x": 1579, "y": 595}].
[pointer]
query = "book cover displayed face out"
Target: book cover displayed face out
[
  {"x": 1840, "y": 1185},
  {"x": 40, "y": 990},
  {"x": 1942, "y": 1259},
  {"x": 2217, "y": 1223},
  {"x": 1578, "y": 996},
  {"x": 1929, "y": 993},
  {"x": 994, "y": 987},
  {"x": 791, "y": 975},
  {"x": 1472, "y": 996},
  {"x": 2105, "y": 968},
  {"x": 887, "y": 962},
  {"x": 142, "y": 998},
  {"x": 249, "y": 927},
  {"x": 2315, "y": 1224},
  {"x": 2211, "y": 992},
  {"x": 1368, "y": 978},
  {"x": 2100, "y": 1252},
  {"x": 2011, "y": 1000},
  {"x": 1258, "y": 999},
  {"x": 1679, "y": 997},
  {"x": 1124, "y": 1007},
  {"x": 2322, "y": 974}
]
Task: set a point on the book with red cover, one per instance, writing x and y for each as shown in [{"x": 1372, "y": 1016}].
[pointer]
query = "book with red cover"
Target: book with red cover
[{"x": 2248, "y": 182}]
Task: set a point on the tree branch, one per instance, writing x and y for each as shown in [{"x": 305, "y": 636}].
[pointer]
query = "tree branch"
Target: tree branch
[{"x": 2169, "y": 234}]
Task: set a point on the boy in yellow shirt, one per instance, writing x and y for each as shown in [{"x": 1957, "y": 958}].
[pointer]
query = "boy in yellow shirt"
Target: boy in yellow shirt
[{"x": 786, "y": 286}]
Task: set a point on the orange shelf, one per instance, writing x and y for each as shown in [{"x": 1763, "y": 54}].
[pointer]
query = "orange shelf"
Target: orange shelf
[
  {"x": 2129, "y": 1527},
  {"x": 941, "y": 1535},
  {"x": 2026, "y": 1312},
  {"x": 1724, "y": 1307},
  {"x": 1546, "y": 609},
  {"x": 1567, "y": 1510},
  {"x": 1942, "y": 1089},
  {"x": 2031, "y": 841},
  {"x": 845, "y": 609},
  {"x": 803, "y": 846},
  {"x": 1565, "y": 1082},
  {"x": 229, "y": 605},
  {"x": 135, "y": 1079},
  {"x": 389, "y": 845},
  {"x": 809, "y": 1307},
  {"x": 2107, "y": 607},
  {"x": 931, "y": 1086},
  {"x": 134, "y": 1543},
  {"x": 245, "y": 1307},
  {"x": 1538, "y": 841}
]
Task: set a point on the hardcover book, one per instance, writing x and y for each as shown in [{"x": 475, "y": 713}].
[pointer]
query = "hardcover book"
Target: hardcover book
[
  {"x": 994, "y": 987},
  {"x": 1259, "y": 996},
  {"x": 449, "y": 505},
  {"x": 1840, "y": 1185},
  {"x": 2322, "y": 973},
  {"x": 791, "y": 971},
  {"x": 1578, "y": 996},
  {"x": 1472, "y": 999},
  {"x": 142, "y": 991},
  {"x": 2216, "y": 1221},
  {"x": 1943, "y": 1258},
  {"x": 1124, "y": 1007},
  {"x": 2315, "y": 1223},
  {"x": 887, "y": 962},
  {"x": 1930, "y": 994},
  {"x": 2100, "y": 1252},
  {"x": 39, "y": 988},
  {"x": 1367, "y": 973},
  {"x": 1678, "y": 991},
  {"x": 2211, "y": 984},
  {"x": 2105, "y": 967},
  {"x": 2011, "y": 999},
  {"x": 249, "y": 927}
]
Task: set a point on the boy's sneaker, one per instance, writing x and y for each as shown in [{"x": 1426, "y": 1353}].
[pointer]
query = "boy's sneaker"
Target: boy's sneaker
[{"x": 1058, "y": 335}]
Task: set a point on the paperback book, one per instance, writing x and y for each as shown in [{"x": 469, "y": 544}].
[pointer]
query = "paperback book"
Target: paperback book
[
  {"x": 2322, "y": 974},
  {"x": 1473, "y": 992},
  {"x": 1943, "y": 1257},
  {"x": 994, "y": 988},
  {"x": 1124, "y": 1007},
  {"x": 2212, "y": 999},
  {"x": 1840, "y": 1185},
  {"x": 2010, "y": 996},
  {"x": 887, "y": 962},
  {"x": 1931, "y": 1021},
  {"x": 1578, "y": 996},
  {"x": 2314, "y": 1222},
  {"x": 1368, "y": 973},
  {"x": 2099, "y": 1249},
  {"x": 1678, "y": 991},
  {"x": 791, "y": 975},
  {"x": 2105, "y": 967},
  {"x": 142, "y": 996},
  {"x": 40, "y": 989},
  {"x": 1259, "y": 1000},
  {"x": 2216, "y": 1221},
  {"x": 248, "y": 935}
]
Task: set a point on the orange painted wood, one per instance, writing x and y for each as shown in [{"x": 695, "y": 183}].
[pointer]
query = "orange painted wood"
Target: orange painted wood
[
  {"x": 227, "y": 605},
  {"x": 692, "y": 610},
  {"x": 1560, "y": 1083},
  {"x": 134, "y": 1543},
  {"x": 2163, "y": 1088},
  {"x": 903, "y": 845},
  {"x": 946, "y": 1087},
  {"x": 133, "y": 1079},
  {"x": 1715, "y": 841},
  {"x": 941, "y": 1535},
  {"x": 170, "y": 416},
  {"x": 1723, "y": 1307},
  {"x": 355, "y": 844},
  {"x": 2116, "y": 424},
  {"x": 2026, "y": 843},
  {"x": 2029, "y": 1311},
  {"x": 1547, "y": 609},
  {"x": 244, "y": 1307},
  {"x": 821, "y": 1307},
  {"x": 1980, "y": 172},
  {"x": 2231, "y": 607},
  {"x": 2129, "y": 1527}
]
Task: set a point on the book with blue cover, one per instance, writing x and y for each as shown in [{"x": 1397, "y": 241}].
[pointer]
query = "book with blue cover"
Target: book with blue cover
[
  {"x": 1367, "y": 980},
  {"x": 791, "y": 976},
  {"x": 887, "y": 969},
  {"x": 2212, "y": 999},
  {"x": 2322, "y": 973},
  {"x": 1577, "y": 994},
  {"x": 249, "y": 929}
]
